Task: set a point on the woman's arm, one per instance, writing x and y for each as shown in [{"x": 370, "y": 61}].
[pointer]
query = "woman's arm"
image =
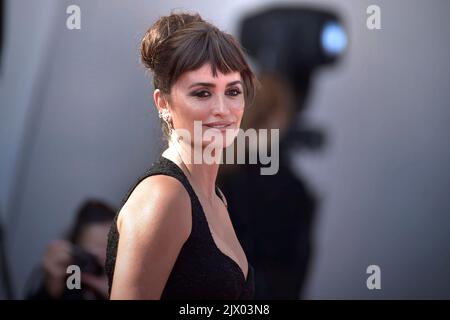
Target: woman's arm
[{"x": 153, "y": 225}]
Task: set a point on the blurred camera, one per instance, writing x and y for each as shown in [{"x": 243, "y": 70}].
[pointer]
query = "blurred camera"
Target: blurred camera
[{"x": 87, "y": 262}]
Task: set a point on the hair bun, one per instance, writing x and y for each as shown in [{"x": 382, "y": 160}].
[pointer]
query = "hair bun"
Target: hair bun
[{"x": 159, "y": 32}]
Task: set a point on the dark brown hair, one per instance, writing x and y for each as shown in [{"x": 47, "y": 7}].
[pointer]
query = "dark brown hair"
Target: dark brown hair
[
  {"x": 184, "y": 42},
  {"x": 92, "y": 211}
]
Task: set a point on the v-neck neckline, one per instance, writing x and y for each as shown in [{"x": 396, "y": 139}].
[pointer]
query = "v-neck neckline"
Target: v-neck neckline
[{"x": 233, "y": 262}]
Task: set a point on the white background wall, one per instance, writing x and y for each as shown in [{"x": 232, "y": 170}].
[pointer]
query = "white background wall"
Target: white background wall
[{"x": 77, "y": 121}]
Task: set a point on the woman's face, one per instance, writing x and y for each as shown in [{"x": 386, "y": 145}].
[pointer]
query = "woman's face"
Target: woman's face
[
  {"x": 218, "y": 102},
  {"x": 93, "y": 238}
]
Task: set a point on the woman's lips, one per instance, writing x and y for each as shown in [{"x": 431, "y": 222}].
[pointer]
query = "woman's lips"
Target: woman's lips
[{"x": 219, "y": 125}]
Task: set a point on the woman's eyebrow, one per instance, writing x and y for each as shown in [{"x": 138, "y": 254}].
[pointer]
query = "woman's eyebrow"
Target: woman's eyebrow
[{"x": 209, "y": 84}]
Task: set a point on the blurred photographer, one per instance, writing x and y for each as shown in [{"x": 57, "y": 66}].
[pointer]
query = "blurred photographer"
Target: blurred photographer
[{"x": 85, "y": 247}]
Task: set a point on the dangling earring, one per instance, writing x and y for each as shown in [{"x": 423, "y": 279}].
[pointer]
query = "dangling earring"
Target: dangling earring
[{"x": 165, "y": 115}]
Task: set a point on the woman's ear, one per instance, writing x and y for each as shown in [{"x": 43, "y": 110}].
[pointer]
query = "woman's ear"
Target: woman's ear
[{"x": 160, "y": 100}]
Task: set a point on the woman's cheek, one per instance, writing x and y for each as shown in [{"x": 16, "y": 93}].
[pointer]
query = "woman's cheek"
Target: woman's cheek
[
  {"x": 239, "y": 112},
  {"x": 200, "y": 112}
]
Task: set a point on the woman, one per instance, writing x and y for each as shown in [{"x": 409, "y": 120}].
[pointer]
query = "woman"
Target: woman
[
  {"x": 172, "y": 237},
  {"x": 84, "y": 247}
]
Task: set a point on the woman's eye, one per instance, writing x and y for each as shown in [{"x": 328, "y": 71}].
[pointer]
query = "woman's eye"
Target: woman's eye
[
  {"x": 202, "y": 94},
  {"x": 234, "y": 92}
]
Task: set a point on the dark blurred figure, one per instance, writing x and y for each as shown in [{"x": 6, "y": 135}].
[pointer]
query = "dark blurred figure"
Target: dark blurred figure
[
  {"x": 275, "y": 220},
  {"x": 85, "y": 247}
]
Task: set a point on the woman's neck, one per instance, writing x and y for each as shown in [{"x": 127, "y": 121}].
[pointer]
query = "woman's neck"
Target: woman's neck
[{"x": 201, "y": 175}]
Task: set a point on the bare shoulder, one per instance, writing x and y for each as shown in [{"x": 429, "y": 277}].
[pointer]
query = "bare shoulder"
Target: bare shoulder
[
  {"x": 157, "y": 199},
  {"x": 153, "y": 224}
]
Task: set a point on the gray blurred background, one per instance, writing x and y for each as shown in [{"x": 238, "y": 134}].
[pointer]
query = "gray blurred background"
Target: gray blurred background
[{"x": 77, "y": 120}]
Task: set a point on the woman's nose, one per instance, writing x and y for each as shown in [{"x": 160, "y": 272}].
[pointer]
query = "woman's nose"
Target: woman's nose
[{"x": 221, "y": 107}]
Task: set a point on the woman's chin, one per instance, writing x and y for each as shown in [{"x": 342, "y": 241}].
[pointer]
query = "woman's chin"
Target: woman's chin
[
  {"x": 221, "y": 139},
  {"x": 210, "y": 145}
]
